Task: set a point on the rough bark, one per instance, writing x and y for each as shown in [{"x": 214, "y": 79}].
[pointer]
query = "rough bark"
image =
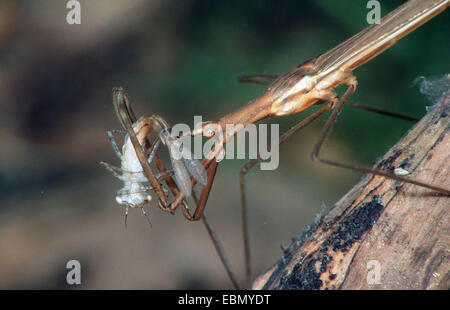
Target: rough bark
[{"x": 383, "y": 234}]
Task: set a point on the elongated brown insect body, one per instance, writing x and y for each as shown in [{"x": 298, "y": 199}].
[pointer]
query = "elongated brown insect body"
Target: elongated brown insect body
[
  {"x": 311, "y": 83},
  {"x": 314, "y": 81}
]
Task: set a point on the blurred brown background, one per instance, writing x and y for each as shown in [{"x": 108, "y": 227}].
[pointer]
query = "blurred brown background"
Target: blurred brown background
[{"x": 176, "y": 59}]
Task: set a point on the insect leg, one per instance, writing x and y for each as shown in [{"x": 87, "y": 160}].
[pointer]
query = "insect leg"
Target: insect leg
[
  {"x": 381, "y": 111},
  {"x": 220, "y": 251},
  {"x": 167, "y": 174},
  {"x": 211, "y": 172},
  {"x": 250, "y": 164},
  {"x": 126, "y": 216},
  {"x": 152, "y": 153},
  {"x": 260, "y": 79},
  {"x": 145, "y": 214},
  {"x": 113, "y": 169},
  {"x": 217, "y": 245},
  {"x": 113, "y": 142},
  {"x": 325, "y": 131}
]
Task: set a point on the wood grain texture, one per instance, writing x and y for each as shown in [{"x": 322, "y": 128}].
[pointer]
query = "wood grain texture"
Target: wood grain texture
[{"x": 402, "y": 228}]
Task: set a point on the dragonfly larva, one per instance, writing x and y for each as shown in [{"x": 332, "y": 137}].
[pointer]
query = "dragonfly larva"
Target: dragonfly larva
[{"x": 134, "y": 193}]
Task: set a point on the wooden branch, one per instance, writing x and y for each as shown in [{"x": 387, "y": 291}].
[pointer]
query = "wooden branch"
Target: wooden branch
[{"x": 383, "y": 234}]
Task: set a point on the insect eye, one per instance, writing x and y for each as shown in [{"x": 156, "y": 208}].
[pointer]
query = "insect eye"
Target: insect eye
[
  {"x": 208, "y": 133},
  {"x": 119, "y": 200}
]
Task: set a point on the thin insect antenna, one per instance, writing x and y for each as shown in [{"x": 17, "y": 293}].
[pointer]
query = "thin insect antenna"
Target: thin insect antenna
[
  {"x": 145, "y": 214},
  {"x": 126, "y": 216}
]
